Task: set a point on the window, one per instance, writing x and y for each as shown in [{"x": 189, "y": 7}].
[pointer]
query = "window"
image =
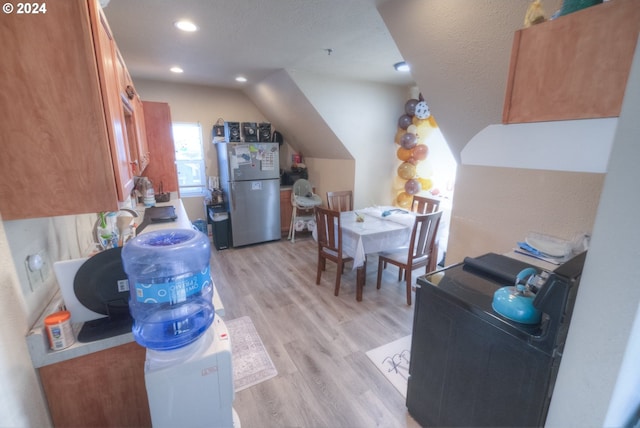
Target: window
[{"x": 187, "y": 141}]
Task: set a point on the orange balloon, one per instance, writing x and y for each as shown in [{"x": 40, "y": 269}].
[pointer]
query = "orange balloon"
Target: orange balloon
[
  {"x": 407, "y": 170},
  {"x": 432, "y": 122},
  {"x": 404, "y": 200},
  {"x": 403, "y": 154},
  {"x": 420, "y": 152}
]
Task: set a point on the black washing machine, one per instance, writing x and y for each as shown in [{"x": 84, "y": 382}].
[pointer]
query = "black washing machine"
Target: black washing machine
[{"x": 469, "y": 365}]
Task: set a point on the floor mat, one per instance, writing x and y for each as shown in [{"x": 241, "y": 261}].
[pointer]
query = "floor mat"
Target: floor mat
[
  {"x": 251, "y": 362},
  {"x": 392, "y": 360}
]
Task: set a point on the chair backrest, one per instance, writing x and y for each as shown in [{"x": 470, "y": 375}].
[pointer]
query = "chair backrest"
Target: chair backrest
[
  {"x": 424, "y": 205},
  {"x": 423, "y": 236},
  {"x": 328, "y": 230},
  {"x": 340, "y": 201},
  {"x": 302, "y": 187}
]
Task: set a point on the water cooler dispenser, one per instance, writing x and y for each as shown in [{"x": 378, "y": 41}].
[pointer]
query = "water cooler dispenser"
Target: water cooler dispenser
[
  {"x": 193, "y": 386},
  {"x": 188, "y": 367}
]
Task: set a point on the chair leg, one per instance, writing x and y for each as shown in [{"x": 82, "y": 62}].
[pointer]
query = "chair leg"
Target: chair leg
[
  {"x": 292, "y": 229},
  {"x": 338, "y": 277},
  {"x": 408, "y": 277},
  {"x": 400, "y": 272},
  {"x": 320, "y": 268}
]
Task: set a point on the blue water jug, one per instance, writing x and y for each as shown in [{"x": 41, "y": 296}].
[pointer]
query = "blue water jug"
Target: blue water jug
[{"x": 171, "y": 288}]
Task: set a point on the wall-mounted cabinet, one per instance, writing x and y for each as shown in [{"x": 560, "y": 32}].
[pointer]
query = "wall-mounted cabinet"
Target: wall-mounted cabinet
[
  {"x": 64, "y": 134},
  {"x": 134, "y": 119},
  {"x": 157, "y": 122},
  {"x": 574, "y": 67}
]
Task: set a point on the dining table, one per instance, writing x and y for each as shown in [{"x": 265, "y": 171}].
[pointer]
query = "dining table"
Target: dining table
[{"x": 373, "y": 230}]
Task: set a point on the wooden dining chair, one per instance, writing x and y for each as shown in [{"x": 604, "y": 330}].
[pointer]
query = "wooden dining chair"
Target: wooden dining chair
[
  {"x": 329, "y": 233},
  {"x": 340, "y": 201},
  {"x": 424, "y": 205},
  {"x": 420, "y": 251}
]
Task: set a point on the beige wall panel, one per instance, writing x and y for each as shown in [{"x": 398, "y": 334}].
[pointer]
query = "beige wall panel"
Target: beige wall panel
[{"x": 496, "y": 207}]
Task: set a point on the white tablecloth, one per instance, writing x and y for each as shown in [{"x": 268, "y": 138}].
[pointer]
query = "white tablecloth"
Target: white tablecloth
[{"x": 376, "y": 233}]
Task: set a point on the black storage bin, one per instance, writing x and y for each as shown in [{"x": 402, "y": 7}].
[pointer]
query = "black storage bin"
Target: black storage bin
[
  {"x": 218, "y": 217},
  {"x": 221, "y": 233}
]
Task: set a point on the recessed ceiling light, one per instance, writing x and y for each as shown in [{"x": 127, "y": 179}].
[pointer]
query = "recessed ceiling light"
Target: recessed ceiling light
[
  {"x": 401, "y": 66},
  {"x": 176, "y": 70},
  {"x": 185, "y": 25},
  {"x": 241, "y": 79}
]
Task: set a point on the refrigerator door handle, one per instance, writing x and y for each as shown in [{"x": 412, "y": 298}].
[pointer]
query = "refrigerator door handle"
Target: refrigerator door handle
[{"x": 232, "y": 196}]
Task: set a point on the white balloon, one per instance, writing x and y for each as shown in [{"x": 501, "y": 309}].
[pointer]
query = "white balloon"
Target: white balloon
[{"x": 422, "y": 110}]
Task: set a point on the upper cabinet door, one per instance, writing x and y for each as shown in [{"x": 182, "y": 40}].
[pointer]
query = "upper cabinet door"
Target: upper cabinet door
[
  {"x": 574, "y": 67},
  {"x": 55, "y": 150},
  {"x": 134, "y": 119},
  {"x": 114, "y": 109},
  {"x": 63, "y": 135}
]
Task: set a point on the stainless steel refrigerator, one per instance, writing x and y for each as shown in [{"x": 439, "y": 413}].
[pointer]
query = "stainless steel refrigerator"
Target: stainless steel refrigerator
[{"x": 250, "y": 178}]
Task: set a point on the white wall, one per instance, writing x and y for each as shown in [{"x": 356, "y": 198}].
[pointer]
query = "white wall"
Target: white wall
[
  {"x": 595, "y": 387},
  {"x": 364, "y": 117},
  {"x": 21, "y": 400},
  {"x": 59, "y": 238}
]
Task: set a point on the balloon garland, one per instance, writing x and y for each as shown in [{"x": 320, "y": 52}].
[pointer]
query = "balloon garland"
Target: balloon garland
[{"x": 414, "y": 127}]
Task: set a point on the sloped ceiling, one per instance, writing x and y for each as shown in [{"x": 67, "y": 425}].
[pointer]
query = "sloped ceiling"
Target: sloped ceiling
[{"x": 293, "y": 114}]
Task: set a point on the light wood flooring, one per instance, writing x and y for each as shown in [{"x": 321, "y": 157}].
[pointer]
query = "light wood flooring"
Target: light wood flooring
[{"x": 317, "y": 341}]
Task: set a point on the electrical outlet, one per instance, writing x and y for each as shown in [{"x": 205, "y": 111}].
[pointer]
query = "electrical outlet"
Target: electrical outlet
[{"x": 38, "y": 269}]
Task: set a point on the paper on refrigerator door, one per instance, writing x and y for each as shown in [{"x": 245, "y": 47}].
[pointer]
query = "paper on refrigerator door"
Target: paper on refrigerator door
[{"x": 268, "y": 161}]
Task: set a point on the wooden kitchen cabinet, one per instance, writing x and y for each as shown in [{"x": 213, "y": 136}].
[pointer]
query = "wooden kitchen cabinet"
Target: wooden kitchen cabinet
[
  {"x": 574, "y": 67},
  {"x": 107, "y": 59},
  {"x": 286, "y": 210},
  {"x": 101, "y": 389},
  {"x": 134, "y": 119},
  {"x": 142, "y": 145},
  {"x": 159, "y": 132},
  {"x": 64, "y": 137}
]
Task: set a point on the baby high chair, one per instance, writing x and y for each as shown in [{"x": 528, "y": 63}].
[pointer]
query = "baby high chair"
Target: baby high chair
[{"x": 302, "y": 198}]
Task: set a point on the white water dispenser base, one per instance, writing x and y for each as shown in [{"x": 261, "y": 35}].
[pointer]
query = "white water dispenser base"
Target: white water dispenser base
[{"x": 192, "y": 386}]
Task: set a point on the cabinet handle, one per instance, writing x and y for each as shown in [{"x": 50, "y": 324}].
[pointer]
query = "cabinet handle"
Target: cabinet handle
[{"x": 130, "y": 92}]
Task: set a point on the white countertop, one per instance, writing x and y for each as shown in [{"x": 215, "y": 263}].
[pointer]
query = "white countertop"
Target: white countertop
[
  {"x": 42, "y": 355},
  {"x": 37, "y": 342}
]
